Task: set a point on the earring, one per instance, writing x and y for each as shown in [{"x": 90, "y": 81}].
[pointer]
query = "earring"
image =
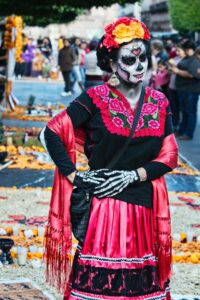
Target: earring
[{"x": 113, "y": 80}]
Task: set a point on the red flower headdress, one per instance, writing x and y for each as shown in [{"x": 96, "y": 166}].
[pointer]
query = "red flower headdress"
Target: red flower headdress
[{"x": 124, "y": 30}]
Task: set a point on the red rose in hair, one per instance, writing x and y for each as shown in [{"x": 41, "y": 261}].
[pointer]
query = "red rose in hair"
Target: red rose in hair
[
  {"x": 146, "y": 32},
  {"x": 109, "y": 42},
  {"x": 109, "y": 28},
  {"x": 123, "y": 20}
]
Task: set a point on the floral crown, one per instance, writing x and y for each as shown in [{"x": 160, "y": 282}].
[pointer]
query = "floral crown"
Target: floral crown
[{"x": 122, "y": 31}]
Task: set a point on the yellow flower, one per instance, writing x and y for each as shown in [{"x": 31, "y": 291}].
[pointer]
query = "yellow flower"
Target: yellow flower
[
  {"x": 122, "y": 33},
  {"x": 138, "y": 30}
]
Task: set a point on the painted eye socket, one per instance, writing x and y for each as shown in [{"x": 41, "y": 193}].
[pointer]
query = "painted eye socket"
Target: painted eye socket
[
  {"x": 128, "y": 60},
  {"x": 142, "y": 57}
]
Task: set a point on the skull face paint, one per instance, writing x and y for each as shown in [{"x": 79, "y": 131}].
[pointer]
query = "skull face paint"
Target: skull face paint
[{"x": 132, "y": 62}]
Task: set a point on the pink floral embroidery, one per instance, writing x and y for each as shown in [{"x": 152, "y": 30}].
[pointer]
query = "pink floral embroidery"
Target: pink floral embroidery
[
  {"x": 118, "y": 116},
  {"x": 118, "y": 122},
  {"x": 102, "y": 90},
  {"x": 117, "y": 106},
  {"x": 154, "y": 124},
  {"x": 156, "y": 95},
  {"x": 140, "y": 123},
  {"x": 149, "y": 108},
  {"x": 130, "y": 120}
]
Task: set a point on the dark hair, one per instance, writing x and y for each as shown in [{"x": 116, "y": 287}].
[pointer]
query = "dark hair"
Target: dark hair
[
  {"x": 93, "y": 45},
  {"x": 104, "y": 56},
  {"x": 163, "y": 63},
  {"x": 188, "y": 45}
]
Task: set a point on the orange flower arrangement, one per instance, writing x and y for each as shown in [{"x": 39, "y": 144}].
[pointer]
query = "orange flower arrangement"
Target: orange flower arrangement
[{"x": 124, "y": 30}]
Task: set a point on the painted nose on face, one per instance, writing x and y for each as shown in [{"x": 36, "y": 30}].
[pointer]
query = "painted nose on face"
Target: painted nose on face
[{"x": 139, "y": 67}]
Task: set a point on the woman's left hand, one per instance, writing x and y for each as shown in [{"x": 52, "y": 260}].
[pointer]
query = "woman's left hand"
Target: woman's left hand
[{"x": 116, "y": 182}]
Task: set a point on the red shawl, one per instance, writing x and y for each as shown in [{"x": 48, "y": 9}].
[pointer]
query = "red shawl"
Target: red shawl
[{"x": 59, "y": 232}]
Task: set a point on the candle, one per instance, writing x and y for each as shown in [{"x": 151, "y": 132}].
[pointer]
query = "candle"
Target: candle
[
  {"x": 189, "y": 235},
  {"x": 21, "y": 255},
  {"x": 36, "y": 263},
  {"x": 33, "y": 248},
  {"x": 28, "y": 233},
  {"x": 41, "y": 230},
  {"x": 15, "y": 229},
  {"x": 176, "y": 237}
]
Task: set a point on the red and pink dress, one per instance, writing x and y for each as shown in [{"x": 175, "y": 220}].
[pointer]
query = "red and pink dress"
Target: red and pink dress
[{"x": 127, "y": 250}]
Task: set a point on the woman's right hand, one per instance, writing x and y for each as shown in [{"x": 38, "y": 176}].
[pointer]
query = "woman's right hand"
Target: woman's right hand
[{"x": 87, "y": 180}]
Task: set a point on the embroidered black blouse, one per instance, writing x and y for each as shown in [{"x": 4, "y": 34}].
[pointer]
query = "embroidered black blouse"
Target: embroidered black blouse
[{"x": 107, "y": 118}]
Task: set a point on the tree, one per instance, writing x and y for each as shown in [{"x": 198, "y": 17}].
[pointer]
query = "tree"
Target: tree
[
  {"x": 43, "y": 12},
  {"x": 185, "y": 14}
]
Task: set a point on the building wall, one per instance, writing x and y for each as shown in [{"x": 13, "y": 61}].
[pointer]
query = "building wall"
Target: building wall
[{"x": 155, "y": 15}]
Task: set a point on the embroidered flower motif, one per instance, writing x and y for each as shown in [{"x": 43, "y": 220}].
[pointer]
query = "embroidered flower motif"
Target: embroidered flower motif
[
  {"x": 117, "y": 106},
  {"x": 154, "y": 124},
  {"x": 156, "y": 95},
  {"x": 118, "y": 122},
  {"x": 130, "y": 120},
  {"x": 149, "y": 108},
  {"x": 118, "y": 116},
  {"x": 102, "y": 90},
  {"x": 140, "y": 123}
]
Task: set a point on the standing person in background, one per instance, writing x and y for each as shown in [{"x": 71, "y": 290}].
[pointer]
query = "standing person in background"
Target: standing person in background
[
  {"x": 188, "y": 88},
  {"x": 157, "y": 48},
  {"x": 28, "y": 56},
  {"x": 83, "y": 50},
  {"x": 126, "y": 253},
  {"x": 173, "y": 95},
  {"x": 93, "y": 72},
  {"x": 76, "y": 72},
  {"x": 46, "y": 47},
  {"x": 65, "y": 62},
  {"x": 161, "y": 79}
]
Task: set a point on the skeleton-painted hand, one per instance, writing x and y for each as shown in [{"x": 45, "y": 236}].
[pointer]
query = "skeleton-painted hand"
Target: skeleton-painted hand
[
  {"x": 89, "y": 180},
  {"x": 117, "y": 181}
]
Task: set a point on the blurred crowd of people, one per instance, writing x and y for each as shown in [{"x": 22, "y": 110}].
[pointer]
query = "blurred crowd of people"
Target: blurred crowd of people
[{"x": 174, "y": 69}]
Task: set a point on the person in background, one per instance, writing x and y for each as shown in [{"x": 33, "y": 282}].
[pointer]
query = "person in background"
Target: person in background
[
  {"x": 173, "y": 95},
  {"x": 151, "y": 70},
  {"x": 83, "y": 50},
  {"x": 188, "y": 87},
  {"x": 65, "y": 62},
  {"x": 46, "y": 47},
  {"x": 197, "y": 54},
  {"x": 93, "y": 72},
  {"x": 28, "y": 56},
  {"x": 161, "y": 79},
  {"x": 76, "y": 72},
  {"x": 157, "y": 48}
]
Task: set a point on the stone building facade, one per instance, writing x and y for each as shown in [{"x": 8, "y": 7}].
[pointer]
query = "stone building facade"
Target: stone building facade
[{"x": 154, "y": 13}]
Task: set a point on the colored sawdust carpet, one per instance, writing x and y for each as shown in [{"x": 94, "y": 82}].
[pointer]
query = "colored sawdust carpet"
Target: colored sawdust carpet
[{"x": 21, "y": 289}]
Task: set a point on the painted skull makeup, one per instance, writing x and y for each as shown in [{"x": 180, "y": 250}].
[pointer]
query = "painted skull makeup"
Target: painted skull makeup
[{"x": 132, "y": 62}]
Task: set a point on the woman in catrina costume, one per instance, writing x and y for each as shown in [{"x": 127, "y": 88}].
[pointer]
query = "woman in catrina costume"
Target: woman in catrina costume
[{"x": 126, "y": 253}]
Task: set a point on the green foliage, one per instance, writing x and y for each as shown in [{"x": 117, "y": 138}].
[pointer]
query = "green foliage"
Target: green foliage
[
  {"x": 44, "y": 12},
  {"x": 185, "y": 14}
]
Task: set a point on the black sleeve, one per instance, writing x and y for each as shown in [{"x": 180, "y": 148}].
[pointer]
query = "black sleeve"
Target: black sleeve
[
  {"x": 58, "y": 153},
  {"x": 157, "y": 169},
  {"x": 81, "y": 110}
]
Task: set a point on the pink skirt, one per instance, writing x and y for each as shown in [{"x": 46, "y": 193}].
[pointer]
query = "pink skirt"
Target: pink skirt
[{"x": 117, "y": 260}]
